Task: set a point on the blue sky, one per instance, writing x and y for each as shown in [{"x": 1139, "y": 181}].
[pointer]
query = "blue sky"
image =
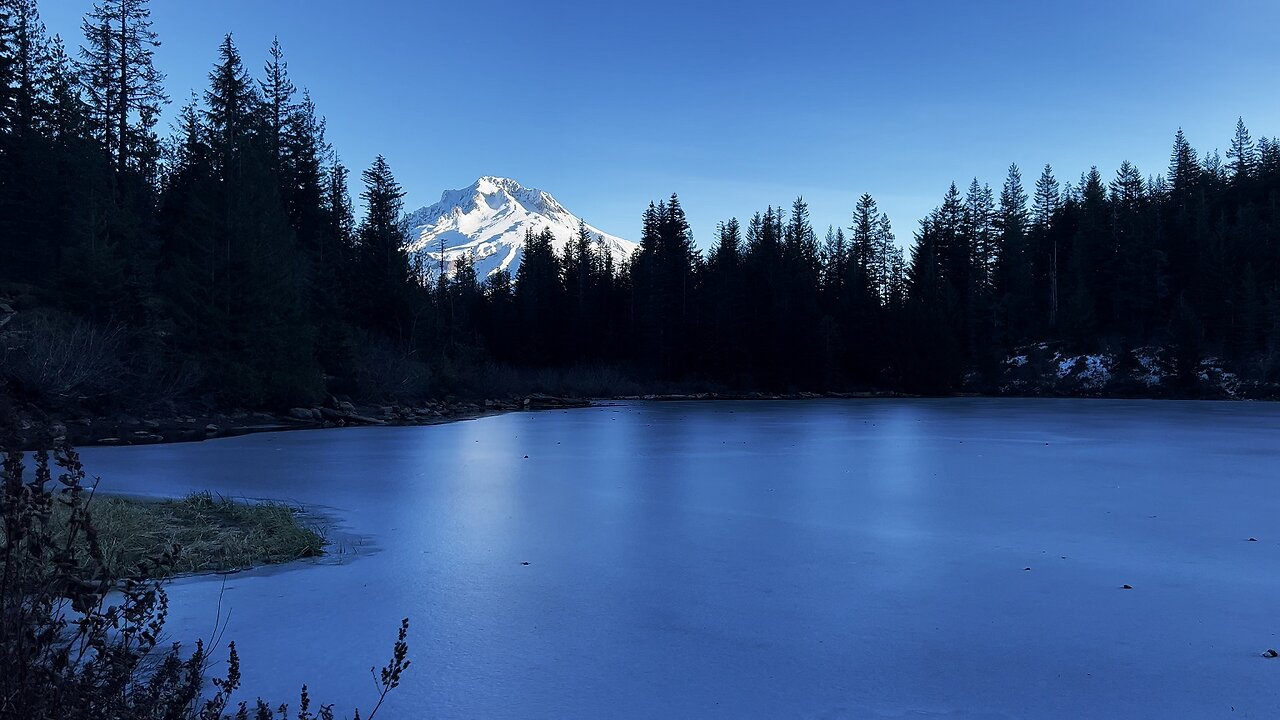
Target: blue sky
[{"x": 737, "y": 105}]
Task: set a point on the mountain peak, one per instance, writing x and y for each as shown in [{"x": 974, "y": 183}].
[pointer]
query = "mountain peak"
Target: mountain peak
[
  {"x": 487, "y": 220},
  {"x": 493, "y": 183}
]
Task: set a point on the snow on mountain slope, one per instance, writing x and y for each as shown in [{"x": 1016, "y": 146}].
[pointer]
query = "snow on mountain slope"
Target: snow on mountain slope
[{"x": 488, "y": 220}]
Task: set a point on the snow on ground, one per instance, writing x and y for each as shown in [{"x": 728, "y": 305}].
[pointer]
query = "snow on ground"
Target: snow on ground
[
  {"x": 1094, "y": 375},
  {"x": 1088, "y": 372},
  {"x": 1152, "y": 373}
]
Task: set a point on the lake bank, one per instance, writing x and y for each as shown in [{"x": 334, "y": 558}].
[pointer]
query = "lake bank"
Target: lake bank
[
  {"x": 126, "y": 429},
  {"x": 1044, "y": 370},
  {"x": 34, "y": 426}
]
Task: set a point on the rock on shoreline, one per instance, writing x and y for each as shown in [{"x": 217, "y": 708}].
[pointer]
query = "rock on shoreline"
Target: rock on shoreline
[{"x": 33, "y": 426}]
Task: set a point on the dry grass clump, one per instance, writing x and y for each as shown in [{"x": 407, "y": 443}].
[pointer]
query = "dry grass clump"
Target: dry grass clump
[{"x": 212, "y": 533}]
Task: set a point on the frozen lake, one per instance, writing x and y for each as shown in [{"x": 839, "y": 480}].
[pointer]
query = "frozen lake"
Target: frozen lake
[{"x": 813, "y": 559}]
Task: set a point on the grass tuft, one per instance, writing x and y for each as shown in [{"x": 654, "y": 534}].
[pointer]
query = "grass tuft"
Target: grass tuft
[{"x": 212, "y": 533}]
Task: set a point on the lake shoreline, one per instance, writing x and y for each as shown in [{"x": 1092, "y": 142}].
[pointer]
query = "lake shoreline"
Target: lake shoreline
[
  {"x": 1037, "y": 371},
  {"x": 37, "y": 426},
  {"x": 128, "y": 429}
]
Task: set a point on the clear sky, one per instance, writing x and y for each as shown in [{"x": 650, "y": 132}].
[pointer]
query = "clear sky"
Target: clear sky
[{"x": 737, "y": 105}]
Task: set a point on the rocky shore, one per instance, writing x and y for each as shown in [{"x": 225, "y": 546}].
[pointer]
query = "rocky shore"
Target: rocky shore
[
  {"x": 30, "y": 425},
  {"x": 1035, "y": 371}
]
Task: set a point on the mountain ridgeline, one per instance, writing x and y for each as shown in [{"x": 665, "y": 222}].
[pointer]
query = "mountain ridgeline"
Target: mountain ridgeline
[
  {"x": 222, "y": 263},
  {"x": 485, "y": 225}
]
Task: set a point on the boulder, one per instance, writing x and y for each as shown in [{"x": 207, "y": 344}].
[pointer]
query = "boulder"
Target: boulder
[
  {"x": 346, "y": 418},
  {"x": 551, "y": 402}
]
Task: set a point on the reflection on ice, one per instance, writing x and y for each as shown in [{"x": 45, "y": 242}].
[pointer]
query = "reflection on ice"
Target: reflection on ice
[{"x": 790, "y": 559}]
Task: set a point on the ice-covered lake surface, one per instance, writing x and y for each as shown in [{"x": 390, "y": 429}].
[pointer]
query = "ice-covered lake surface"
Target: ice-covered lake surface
[{"x": 958, "y": 558}]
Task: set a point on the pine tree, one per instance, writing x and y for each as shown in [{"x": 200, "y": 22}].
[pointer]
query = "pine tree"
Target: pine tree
[
  {"x": 231, "y": 117},
  {"x": 499, "y": 325},
  {"x": 66, "y": 117},
  {"x": 52, "y": 198},
  {"x": 664, "y": 287},
  {"x": 28, "y": 64},
  {"x": 234, "y": 109},
  {"x": 1046, "y": 204},
  {"x": 193, "y": 263},
  {"x": 800, "y": 242},
  {"x": 1242, "y": 154},
  {"x": 277, "y": 93},
  {"x": 580, "y": 278},
  {"x": 1013, "y": 277},
  {"x": 980, "y": 227},
  {"x": 8, "y": 56},
  {"x": 302, "y": 181},
  {"x": 1138, "y": 263},
  {"x": 801, "y": 283},
  {"x": 340, "y": 216},
  {"x": 955, "y": 252},
  {"x": 850, "y": 340},
  {"x": 978, "y": 230},
  {"x": 1092, "y": 263},
  {"x": 893, "y": 267},
  {"x": 384, "y": 265},
  {"x": 1047, "y": 199},
  {"x": 16, "y": 235},
  {"x": 835, "y": 263},
  {"x": 1269, "y": 157},
  {"x": 932, "y": 358},
  {"x": 1127, "y": 190},
  {"x": 230, "y": 267},
  {"x": 1213, "y": 172},
  {"x": 1184, "y": 168},
  {"x": 539, "y": 299},
  {"x": 647, "y": 300},
  {"x": 124, "y": 87},
  {"x": 723, "y": 288},
  {"x": 860, "y": 273}
]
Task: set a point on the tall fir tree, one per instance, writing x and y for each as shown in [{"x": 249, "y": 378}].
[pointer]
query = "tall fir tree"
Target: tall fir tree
[
  {"x": 1047, "y": 200},
  {"x": 384, "y": 282},
  {"x": 125, "y": 89},
  {"x": 1242, "y": 154},
  {"x": 539, "y": 300},
  {"x": 1184, "y": 167},
  {"x": 1013, "y": 280},
  {"x": 277, "y": 94}
]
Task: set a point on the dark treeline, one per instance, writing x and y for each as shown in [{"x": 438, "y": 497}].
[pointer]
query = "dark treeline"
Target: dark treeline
[{"x": 222, "y": 261}]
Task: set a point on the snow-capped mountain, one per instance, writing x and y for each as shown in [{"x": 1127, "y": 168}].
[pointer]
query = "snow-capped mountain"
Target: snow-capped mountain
[{"x": 488, "y": 219}]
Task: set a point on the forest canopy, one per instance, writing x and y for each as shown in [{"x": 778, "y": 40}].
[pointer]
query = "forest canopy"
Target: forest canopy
[{"x": 221, "y": 261}]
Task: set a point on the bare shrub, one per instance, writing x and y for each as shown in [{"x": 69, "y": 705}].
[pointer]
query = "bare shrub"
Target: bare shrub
[
  {"x": 384, "y": 372},
  {"x": 49, "y": 357}
]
